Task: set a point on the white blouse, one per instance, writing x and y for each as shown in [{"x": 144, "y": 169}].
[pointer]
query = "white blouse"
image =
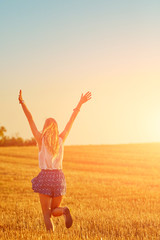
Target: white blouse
[{"x": 47, "y": 161}]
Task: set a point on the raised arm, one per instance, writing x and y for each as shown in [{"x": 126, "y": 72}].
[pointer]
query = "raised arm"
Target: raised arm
[
  {"x": 33, "y": 127},
  {"x": 83, "y": 99}
]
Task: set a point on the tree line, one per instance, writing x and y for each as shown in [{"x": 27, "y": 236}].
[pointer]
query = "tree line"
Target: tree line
[{"x": 14, "y": 141}]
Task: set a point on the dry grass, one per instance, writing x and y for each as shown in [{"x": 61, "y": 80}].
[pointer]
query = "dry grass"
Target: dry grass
[{"x": 113, "y": 193}]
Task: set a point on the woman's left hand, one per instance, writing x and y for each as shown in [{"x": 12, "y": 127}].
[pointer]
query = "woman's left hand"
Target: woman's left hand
[{"x": 20, "y": 96}]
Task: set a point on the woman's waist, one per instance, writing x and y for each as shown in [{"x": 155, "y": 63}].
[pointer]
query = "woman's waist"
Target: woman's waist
[
  {"x": 51, "y": 170},
  {"x": 50, "y": 165}
]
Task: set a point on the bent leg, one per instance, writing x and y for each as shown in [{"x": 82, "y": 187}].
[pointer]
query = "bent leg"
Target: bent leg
[
  {"x": 45, "y": 201},
  {"x": 56, "y": 211}
]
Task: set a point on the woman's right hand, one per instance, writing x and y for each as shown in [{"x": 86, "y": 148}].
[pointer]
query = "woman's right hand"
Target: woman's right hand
[{"x": 85, "y": 98}]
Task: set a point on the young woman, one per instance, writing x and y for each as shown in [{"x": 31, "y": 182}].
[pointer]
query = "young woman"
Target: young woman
[{"x": 50, "y": 182}]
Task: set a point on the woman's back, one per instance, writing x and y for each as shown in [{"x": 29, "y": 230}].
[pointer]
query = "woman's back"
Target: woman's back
[{"x": 47, "y": 160}]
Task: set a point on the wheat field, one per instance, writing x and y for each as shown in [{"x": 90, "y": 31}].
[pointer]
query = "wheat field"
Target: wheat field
[{"x": 113, "y": 192}]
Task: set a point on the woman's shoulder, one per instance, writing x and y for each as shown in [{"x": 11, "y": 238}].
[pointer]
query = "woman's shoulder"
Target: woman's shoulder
[
  {"x": 39, "y": 142},
  {"x": 60, "y": 140}
]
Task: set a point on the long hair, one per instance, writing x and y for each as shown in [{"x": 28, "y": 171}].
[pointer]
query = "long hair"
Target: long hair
[{"x": 51, "y": 136}]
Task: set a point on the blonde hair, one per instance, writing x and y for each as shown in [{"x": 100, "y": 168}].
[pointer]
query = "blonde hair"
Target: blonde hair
[{"x": 50, "y": 135}]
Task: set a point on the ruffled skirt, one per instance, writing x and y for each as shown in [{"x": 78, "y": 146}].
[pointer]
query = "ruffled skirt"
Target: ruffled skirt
[{"x": 50, "y": 182}]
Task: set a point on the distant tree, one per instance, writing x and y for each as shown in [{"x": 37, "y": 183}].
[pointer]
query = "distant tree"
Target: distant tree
[
  {"x": 15, "y": 140},
  {"x": 2, "y": 131},
  {"x": 30, "y": 142}
]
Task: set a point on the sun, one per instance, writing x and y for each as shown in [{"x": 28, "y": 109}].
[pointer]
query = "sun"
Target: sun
[{"x": 153, "y": 127}]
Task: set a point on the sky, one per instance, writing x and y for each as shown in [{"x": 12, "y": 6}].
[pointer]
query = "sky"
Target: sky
[{"x": 56, "y": 50}]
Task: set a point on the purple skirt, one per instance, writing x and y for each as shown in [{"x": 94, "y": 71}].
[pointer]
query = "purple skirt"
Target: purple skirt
[{"x": 50, "y": 182}]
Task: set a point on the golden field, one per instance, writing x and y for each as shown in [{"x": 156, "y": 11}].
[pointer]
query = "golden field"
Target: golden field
[{"x": 113, "y": 192}]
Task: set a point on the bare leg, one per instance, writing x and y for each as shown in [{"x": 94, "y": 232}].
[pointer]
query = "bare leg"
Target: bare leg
[
  {"x": 46, "y": 209},
  {"x": 57, "y": 211}
]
